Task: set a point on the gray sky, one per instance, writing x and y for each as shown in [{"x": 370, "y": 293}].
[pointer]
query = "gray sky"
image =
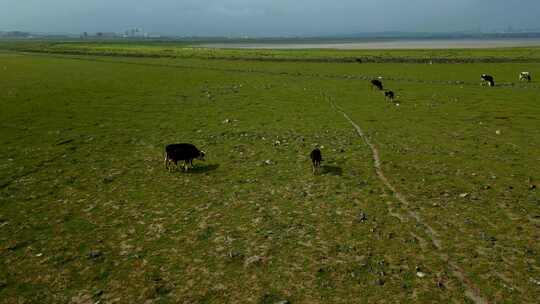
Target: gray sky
[{"x": 267, "y": 17}]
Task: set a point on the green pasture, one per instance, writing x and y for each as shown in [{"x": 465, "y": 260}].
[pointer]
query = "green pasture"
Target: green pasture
[
  {"x": 89, "y": 214},
  {"x": 196, "y": 50}
]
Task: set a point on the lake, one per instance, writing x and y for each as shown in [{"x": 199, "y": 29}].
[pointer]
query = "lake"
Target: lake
[{"x": 383, "y": 44}]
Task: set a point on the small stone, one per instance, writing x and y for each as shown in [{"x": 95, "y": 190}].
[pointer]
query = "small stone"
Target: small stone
[
  {"x": 235, "y": 254},
  {"x": 94, "y": 254},
  {"x": 464, "y": 195},
  {"x": 420, "y": 274},
  {"x": 498, "y": 132},
  {"x": 254, "y": 259},
  {"x": 268, "y": 162}
]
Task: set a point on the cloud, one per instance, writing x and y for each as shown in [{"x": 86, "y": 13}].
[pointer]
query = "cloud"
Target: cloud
[{"x": 266, "y": 17}]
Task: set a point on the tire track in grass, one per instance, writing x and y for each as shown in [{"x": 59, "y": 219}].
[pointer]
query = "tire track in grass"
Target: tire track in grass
[{"x": 471, "y": 291}]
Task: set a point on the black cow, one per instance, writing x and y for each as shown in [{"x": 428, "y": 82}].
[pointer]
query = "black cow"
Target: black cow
[
  {"x": 316, "y": 159},
  {"x": 389, "y": 95},
  {"x": 375, "y": 83},
  {"x": 185, "y": 152},
  {"x": 487, "y": 78}
]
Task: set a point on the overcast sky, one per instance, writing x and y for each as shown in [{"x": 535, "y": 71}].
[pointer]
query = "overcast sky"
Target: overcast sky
[{"x": 266, "y": 17}]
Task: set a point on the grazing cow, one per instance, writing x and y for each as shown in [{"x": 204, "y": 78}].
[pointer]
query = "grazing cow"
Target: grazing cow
[
  {"x": 316, "y": 159},
  {"x": 376, "y": 83},
  {"x": 487, "y": 79},
  {"x": 185, "y": 152},
  {"x": 389, "y": 95},
  {"x": 525, "y": 76}
]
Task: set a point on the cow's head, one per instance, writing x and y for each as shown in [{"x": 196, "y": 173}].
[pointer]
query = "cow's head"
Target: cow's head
[{"x": 201, "y": 155}]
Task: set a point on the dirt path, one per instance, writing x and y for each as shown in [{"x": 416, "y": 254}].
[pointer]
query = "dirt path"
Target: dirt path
[{"x": 471, "y": 291}]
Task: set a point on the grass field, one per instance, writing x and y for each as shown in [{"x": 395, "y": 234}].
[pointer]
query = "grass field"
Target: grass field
[
  {"x": 186, "y": 50},
  {"x": 88, "y": 213}
]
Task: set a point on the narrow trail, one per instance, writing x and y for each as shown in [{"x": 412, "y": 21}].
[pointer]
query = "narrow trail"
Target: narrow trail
[{"x": 471, "y": 291}]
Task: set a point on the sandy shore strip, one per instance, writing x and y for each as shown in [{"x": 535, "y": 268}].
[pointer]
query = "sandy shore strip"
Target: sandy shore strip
[{"x": 378, "y": 45}]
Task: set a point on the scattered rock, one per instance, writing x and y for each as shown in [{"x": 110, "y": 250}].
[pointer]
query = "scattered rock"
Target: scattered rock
[
  {"x": 235, "y": 254},
  {"x": 108, "y": 179},
  {"x": 268, "y": 162},
  {"x": 498, "y": 132},
  {"x": 226, "y": 121},
  {"x": 532, "y": 186},
  {"x": 464, "y": 195},
  {"x": 220, "y": 287},
  {"x": 253, "y": 260},
  {"x": 420, "y": 274},
  {"x": 273, "y": 299},
  {"x": 94, "y": 254},
  {"x": 82, "y": 299}
]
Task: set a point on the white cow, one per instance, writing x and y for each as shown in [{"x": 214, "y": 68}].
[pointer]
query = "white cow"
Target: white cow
[
  {"x": 525, "y": 76},
  {"x": 487, "y": 79}
]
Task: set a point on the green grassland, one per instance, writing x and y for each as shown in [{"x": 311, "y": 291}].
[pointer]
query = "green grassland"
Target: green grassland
[
  {"x": 188, "y": 49},
  {"x": 89, "y": 214}
]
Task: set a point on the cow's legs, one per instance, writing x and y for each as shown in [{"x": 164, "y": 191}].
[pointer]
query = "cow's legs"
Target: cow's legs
[
  {"x": 166, "y": 161},
  {"x": 186, "y": 166}
]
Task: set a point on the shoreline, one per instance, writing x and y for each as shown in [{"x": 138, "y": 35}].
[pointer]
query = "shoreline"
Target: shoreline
[{"x": 409, "y": 44}]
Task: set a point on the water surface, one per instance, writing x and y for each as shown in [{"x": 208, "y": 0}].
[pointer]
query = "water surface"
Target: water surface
[{"x": 386, "y": 44}]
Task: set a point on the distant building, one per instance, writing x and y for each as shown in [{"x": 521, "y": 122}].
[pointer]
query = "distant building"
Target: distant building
[{"x": 15, "y": 34}]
